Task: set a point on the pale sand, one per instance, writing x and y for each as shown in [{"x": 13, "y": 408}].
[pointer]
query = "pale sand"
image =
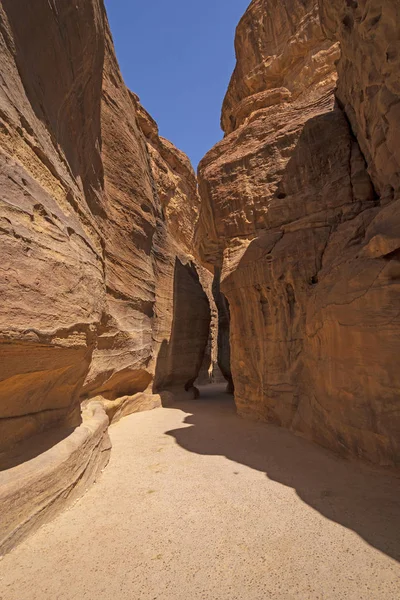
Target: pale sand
[{"x": 199, "y": 504}]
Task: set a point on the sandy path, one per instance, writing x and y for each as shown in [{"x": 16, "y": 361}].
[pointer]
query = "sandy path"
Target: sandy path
[{"x": 199, "y": 504}]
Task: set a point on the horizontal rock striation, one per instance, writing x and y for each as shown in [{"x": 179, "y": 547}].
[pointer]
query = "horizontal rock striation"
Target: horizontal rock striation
[
  {"x": 101, "y": 225},
  {"x": 52, "y": 284},
  {"x": 102, "y": 296},
  {"x": 61, "y": 466},
  {"x": 297, "y": 215},
  {"x": 185, "y": 317}
]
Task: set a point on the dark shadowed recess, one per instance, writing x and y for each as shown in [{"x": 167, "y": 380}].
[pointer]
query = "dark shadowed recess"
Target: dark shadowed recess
[
  {"x": 224, "y": 318},
  {"x": 357, "y": 497},
  {"x": 180, "y": 358}
]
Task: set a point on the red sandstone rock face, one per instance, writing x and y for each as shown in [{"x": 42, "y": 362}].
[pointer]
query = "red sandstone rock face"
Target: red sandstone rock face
[
  {"x": 185, "y": 308},
  {"x": 101, "y": 293},
  {"x": 308, "y": 254},
  {"x": 92, "y": 241},
  {"x": 369, "y": 85},
  {"x": 281, "y": 53},
  {"x": 51, "y": 253}
]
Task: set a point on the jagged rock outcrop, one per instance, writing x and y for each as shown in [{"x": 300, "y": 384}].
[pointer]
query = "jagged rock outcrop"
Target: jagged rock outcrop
[
  {"x": 300, "y": 213},
  {"x": 101, "y": 294},
  {"x": 369, "y": 86}
]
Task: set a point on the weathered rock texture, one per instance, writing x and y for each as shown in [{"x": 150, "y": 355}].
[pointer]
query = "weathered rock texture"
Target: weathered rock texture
[
  {"x": 101, "y": 295},
  {"x": 369, "y": 83},
  {"x": 300, "y": 210},
  {"x": 61, "y": 466},
  {"x": 184, "y": 303}
]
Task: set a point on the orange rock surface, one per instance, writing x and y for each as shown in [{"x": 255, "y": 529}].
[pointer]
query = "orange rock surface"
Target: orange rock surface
[
  {"x": 101, "y": 295},
  {"x": 300, "y": 211}
]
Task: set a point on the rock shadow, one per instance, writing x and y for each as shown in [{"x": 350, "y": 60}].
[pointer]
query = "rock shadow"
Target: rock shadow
[
  {"x": 360, "y": 498},
  {"x": 224, "y": 318},
  {"x": 180, "y": 358},
  {"x": 67, "y": 103},
  {"x": 29, "y": 449}
]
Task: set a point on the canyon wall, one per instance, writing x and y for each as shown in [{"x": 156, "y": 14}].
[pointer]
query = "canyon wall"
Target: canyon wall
[
  {"x": 300, "y": 212},
  {"x": 101, "y": 295}
]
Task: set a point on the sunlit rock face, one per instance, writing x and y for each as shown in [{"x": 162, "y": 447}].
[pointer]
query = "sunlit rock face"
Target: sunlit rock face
[
  {"x": 97, "y": 214},
  {"x": 369, "y": 84},
  {"x": 102, "y": 293},
  {"x": 299, "y": 211}
]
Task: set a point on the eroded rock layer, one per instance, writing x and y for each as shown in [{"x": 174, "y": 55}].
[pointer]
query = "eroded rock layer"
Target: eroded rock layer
[
  {"x": 99, "y": 287},
  {"x": 300, "y": 211}
]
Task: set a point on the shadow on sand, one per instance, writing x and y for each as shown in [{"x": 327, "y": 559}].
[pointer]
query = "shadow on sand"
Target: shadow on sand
[{"x": 357, "y": 497}]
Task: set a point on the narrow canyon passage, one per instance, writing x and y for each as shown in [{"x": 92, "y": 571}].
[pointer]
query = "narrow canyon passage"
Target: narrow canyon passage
[
  {"x": 128, "y": 281},
  {"x": 198, "y": 503}
]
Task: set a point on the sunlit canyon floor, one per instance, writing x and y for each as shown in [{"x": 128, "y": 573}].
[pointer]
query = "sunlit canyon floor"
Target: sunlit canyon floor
[{"x": 197, "y": 503}]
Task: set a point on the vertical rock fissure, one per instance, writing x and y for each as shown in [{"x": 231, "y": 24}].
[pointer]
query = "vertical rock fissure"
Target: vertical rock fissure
[{"x": 224, "y": 341}]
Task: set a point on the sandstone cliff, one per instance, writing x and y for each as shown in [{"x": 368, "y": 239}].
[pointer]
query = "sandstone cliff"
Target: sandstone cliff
[
  {"x": 101, "y": 295},
  {"x": 300, "y": 211}
]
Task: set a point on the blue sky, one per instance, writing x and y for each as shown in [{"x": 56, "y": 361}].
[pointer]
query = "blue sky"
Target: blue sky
[{"x": 178, "y": 56}]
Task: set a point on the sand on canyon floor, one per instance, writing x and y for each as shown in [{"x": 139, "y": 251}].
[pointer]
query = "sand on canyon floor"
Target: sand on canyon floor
[{"x": 197, "y": 503}]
